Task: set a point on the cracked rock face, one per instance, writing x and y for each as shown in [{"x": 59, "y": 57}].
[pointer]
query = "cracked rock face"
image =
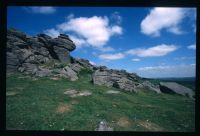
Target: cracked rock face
[
  {"x": 26, "y": 53},
  {"x": 116, "y": 78}
]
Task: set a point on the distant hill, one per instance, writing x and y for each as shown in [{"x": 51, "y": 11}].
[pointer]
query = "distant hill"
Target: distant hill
[{"x": 178, "y": 78}]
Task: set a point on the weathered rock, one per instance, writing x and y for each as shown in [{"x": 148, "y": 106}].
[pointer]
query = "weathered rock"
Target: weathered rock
[
  {"x": 115, "y": 78},
  {"x": 125, "y": 84},
  {"x": 72, "y": 75},
  {"x": 43, "y": 73},
  {"x": 16, "y": 33},
  {"x": 149, "y": 86},
  {"x": 26, "y": 53},
  {"x": 63, "y": 54},
  {"x": 172, "y": 87},
  {"x": 63, "y": 43},
  {"x": 12, "y": 59},
  {"x": 84, "y": 63},
  {"x": 103, "y": 126},
  {"x": 67, "y": 72},
  {"x": 76, "y": 67},
  {"x": 103, "y": 68},
  {"x": 28, "y": 68}
]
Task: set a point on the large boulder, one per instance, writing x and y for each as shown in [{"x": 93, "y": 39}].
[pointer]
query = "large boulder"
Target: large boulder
[
  {"x": 146, "y": 85},
  {"x": 64, "y": 41},
  {"x": 125, "y": 84},
  {"x": 115, "y": 78},
  {"x": 67, "y": 72},
  {"x": 175, "y": 88}
]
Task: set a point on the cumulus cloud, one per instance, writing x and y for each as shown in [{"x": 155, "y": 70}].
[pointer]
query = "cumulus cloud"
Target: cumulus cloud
[
  {"x": 79, "y": 42},
  {"x": 163, "y": 18},
  {"x": 95, "y": 30},
  {"x": 168, "y": 71},
  {"x": 115, "y": 56},
  {"x": 70, "y": 16},
  {"x": 52, "y": 32},
  {"x": 41, "y": 9},
  {"x": 93, "y": 63},
  {"x": 135, "y": 59},
  {"x": 193, "y": 47},
  {"x": 106, "y": 49},
  {"x": 159, "y": 50}
]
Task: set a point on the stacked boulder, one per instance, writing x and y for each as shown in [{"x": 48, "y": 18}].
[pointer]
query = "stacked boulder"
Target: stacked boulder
[{"x": 28, "y": 54}]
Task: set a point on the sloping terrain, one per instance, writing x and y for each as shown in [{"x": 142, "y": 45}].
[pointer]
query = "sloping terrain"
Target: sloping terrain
[
  {"x": 42, "y": 104},
  {"x": 47, "y": 89}
]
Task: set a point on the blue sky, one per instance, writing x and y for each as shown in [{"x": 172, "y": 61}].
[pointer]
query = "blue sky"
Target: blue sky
[{"x": 152, "y": 42}]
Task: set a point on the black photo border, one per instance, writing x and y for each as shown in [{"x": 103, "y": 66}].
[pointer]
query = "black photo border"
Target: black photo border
[{"x": 91, "y": 3}]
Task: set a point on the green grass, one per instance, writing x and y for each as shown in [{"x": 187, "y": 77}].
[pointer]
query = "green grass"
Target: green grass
[{"x": 35, "y": 104}]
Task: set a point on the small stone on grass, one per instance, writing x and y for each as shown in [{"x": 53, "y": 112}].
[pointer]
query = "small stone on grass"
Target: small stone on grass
[
  {"x": 74, "y": 93},
  {"x": 112, "y": 92},
  {"x": 11, "y": 93}
]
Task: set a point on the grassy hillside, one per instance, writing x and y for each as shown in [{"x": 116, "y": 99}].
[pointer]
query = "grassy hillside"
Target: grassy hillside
[{"x": 40, "y": 104}]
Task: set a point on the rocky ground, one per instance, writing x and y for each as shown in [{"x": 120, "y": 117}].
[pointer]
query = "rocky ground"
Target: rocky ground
[
  {"x": 48, "y": 89},
  {"x": 43, "y": 56}
]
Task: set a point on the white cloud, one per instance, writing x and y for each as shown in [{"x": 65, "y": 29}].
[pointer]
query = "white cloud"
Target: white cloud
[
  {"x": 159, "y": 50},
  {"x": 116, "y": 30},
  {"x": 78, "y": 41},
  {"x": 115, "y": 56},
  {"x": 175, "y": 30},
  {"x": 70, "y": 16},
  {"x": 41, "y": 10},
  {"x": 135, "y": 59},
  {"x": 95, "y": 30},
  {"x": 93, "y": 63},
  {"x": 52, "y": 32},
  {"x": 193, "y": 47},
  {"x": 168, "y": 71},
  {"x": 163, "y": 18},
  {"x": 106, "y": 49}
]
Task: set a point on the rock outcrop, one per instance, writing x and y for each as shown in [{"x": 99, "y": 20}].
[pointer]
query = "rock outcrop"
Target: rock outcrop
[
  {"x": 149, "y": 86},
  {"x": 116, "y": 78},
  {"x": 44, "y": 56},
  {"x": 175, "y": 88},
  {"x": 29, "y": 54}
]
